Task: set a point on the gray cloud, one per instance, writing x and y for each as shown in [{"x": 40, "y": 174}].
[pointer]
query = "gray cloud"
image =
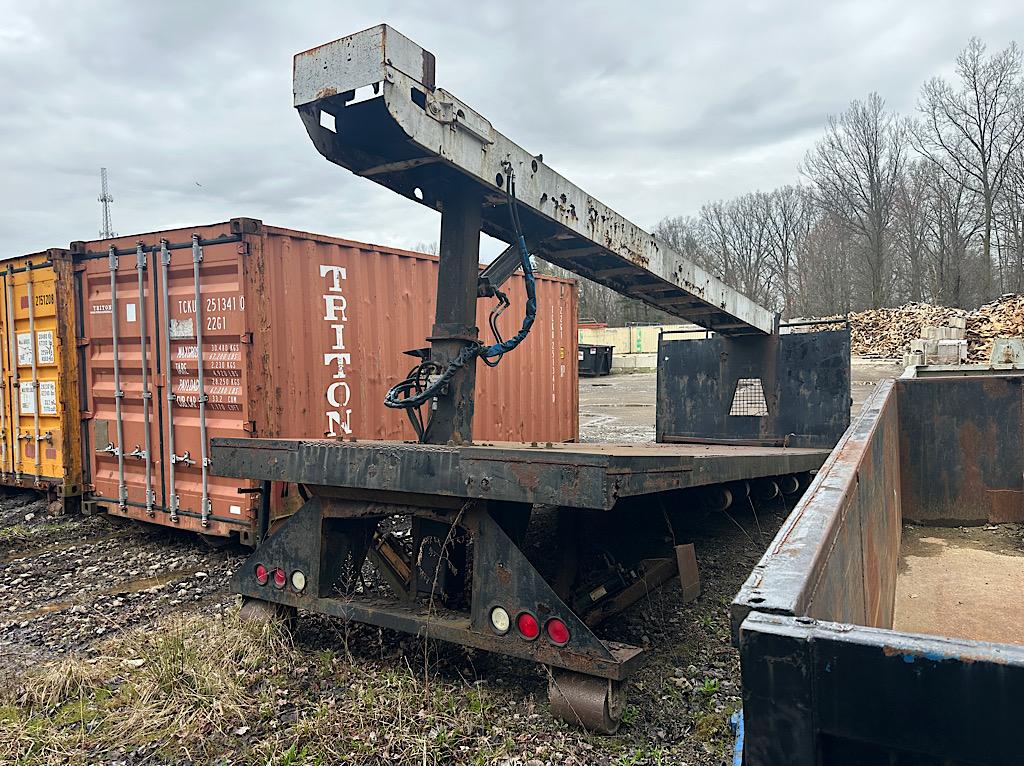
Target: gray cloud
[{"x": 654, "y": 107}]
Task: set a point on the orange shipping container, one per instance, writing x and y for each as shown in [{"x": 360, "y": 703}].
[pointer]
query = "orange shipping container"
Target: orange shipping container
[{"x": 301, "y": 335}]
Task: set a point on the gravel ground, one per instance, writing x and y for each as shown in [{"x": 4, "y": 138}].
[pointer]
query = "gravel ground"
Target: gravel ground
[
  {"x": 68, "y": 584},
  {"x": 64, "y": 581}
]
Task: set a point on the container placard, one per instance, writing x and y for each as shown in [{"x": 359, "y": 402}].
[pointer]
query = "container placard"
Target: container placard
[
  {"x": 27, "y": 397},
  {"x": 47, "y": 397},
  {"x": 24, "y": 349},
  {"x": 44, "y": 346},
  {"x": 182, "y": 329}
]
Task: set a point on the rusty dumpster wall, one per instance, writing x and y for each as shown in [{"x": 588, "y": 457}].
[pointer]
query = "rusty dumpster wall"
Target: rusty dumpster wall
[
  {"x": 826, "y": 681},
  {"x": 836, "y": 556},
  {"x": 961, "y": 450},
  {"x": 301, "y": 336}
]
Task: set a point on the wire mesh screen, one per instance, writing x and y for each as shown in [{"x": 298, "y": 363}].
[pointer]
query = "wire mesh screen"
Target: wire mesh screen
[{"x": 748, "y": 399}]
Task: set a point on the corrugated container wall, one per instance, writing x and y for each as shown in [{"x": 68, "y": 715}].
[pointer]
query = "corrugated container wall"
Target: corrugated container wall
[
  {"x": 302, "y": 334},
  {"x": 40, "y": 417}
]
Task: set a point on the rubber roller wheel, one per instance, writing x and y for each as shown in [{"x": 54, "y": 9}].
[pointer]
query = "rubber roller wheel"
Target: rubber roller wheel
[
  {"x": 594, "y": 703},
  {"x": 262, "y": 612},
  {"x": 789, "y": 485}
]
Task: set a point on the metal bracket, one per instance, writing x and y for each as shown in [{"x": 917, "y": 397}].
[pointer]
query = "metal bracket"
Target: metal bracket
[{"x": 185, "y": 459}]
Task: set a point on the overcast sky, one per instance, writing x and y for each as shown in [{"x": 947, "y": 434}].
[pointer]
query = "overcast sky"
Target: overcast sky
[{"x": 653, "y": 107}]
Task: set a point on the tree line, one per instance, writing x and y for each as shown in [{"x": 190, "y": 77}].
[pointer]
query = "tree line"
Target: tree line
[{"x": 890, "y": 208}]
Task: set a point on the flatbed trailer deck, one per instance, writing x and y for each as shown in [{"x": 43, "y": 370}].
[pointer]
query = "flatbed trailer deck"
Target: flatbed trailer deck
[{"x": 573, "y": 475}]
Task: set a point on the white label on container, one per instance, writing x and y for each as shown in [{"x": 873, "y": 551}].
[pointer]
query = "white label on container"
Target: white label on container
[
  {"x": 25, "y": 349},
  {"x": 581, "y": 356},
  {"x": 27, "y": 396},
  {"x": 47, "y": 397},
  {"x": 235, "y": 509},
  {"x": 183, "y": 329},
  {"x": 593, "y": 351},
  {"x": 44, "y": 346},
  {"x": 129, "y": 311}
]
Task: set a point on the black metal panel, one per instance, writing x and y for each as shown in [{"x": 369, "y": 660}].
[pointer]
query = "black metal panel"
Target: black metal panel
[
  {"x": 805, "y": 379},
  {"x": 961, "y": 445},
  {"x": 574, "y": 475},
  {"x": 835, "y": 694}
]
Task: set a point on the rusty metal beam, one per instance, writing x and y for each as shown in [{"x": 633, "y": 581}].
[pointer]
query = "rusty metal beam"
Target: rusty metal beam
[{"x": 377, "y": 87}]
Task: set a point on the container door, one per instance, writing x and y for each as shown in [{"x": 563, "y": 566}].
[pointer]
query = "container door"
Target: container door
[
  {"x": 32, "y": 336},
  {"x": 120, "y": 371},
  {"x": 204, "y": 331}
]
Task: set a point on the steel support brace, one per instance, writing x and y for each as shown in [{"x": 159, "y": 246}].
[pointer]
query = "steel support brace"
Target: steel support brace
[
  {"x": 455, "y": 314},
  {"x": 328, "y": 541}
]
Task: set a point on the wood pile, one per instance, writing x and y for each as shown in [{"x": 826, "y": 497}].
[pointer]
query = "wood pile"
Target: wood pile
[
  {"x": 886, "y": 333},
  {"x": 1002, "y": 318}
]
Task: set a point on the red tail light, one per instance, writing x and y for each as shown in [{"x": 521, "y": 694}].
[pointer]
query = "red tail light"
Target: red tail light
[
  {"x": 279, "y": 578},
  {"x": 528, "y": 626},
  {"x": 558, "y": 631},
  {"x": 261, "y": 574}
]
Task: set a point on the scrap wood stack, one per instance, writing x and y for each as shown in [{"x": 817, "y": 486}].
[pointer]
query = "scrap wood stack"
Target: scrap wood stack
[
  {"x": 1002, "y": 318},
  {"x": 890, "y": 332}
]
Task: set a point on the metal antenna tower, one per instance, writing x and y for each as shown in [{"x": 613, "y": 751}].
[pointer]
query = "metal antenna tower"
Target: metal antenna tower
[{"x": 107, "y": 231}]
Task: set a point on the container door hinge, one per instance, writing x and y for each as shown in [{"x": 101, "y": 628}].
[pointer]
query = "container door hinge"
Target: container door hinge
[
  {"x": 243, "y": 248},
  {"x": 82, "y": 342},
  {"x": 249, "y": 426},
  {"x": 86, "y": 415},
  {"x": 245, "y": 337}
]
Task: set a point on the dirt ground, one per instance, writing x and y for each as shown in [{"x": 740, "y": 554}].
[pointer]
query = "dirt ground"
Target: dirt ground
[
  {"x": 958, "y": 581},
  {"x": 101, "y": 618}
]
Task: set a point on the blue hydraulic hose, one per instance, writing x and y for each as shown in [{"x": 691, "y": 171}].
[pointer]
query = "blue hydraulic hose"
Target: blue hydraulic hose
[{"x": 531, "y": 308}]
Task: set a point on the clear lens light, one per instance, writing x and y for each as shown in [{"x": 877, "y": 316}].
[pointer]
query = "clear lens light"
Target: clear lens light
[
  {"x": 298, "y": 580},
  {"x": 500, "y": 620}
]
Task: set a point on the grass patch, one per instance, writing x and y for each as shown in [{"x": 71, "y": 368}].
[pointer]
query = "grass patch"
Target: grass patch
[
  {"x": 14, "y": 532},
  {"x": 214, "y": 690},
  {"x": 180, "y": 684}
]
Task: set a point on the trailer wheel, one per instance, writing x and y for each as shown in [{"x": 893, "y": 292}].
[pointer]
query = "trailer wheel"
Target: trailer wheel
[
  {"x": 260, "y": 612},
  {"x": 596, "y": 704}
]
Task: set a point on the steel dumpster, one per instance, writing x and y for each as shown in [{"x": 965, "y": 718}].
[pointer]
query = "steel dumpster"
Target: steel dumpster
[
  {"x": 300, "y": 336},
  {"x": 40, "y": 418},
  {"x": 826, "y": 677}
]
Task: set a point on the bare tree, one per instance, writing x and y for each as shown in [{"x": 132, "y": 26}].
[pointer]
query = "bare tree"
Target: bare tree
[
  {"x": 910, "y": 230},
  {"x": 789, "y": 217},
  {"x": 737, "y": 243},
  {"x": 856, "y": 170},
  {"x": 1008, "y": 227},
  {"x": 971, "y": 130},
  {"x": 955, "y": 270}
]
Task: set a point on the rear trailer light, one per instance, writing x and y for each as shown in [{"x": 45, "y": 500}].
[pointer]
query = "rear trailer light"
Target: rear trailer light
[
  {"x": 500, "y": 621},
  {"x": 261, "y": 574},
  {"x": 558, "y": 631},
  {"x": 298, "y": 580},
  {"x": 528, "y": 626},
  {"x": 279, "y": 578}
]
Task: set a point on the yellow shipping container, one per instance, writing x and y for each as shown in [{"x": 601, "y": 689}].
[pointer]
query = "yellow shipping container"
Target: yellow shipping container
[{"x": 40, "y": 415}]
